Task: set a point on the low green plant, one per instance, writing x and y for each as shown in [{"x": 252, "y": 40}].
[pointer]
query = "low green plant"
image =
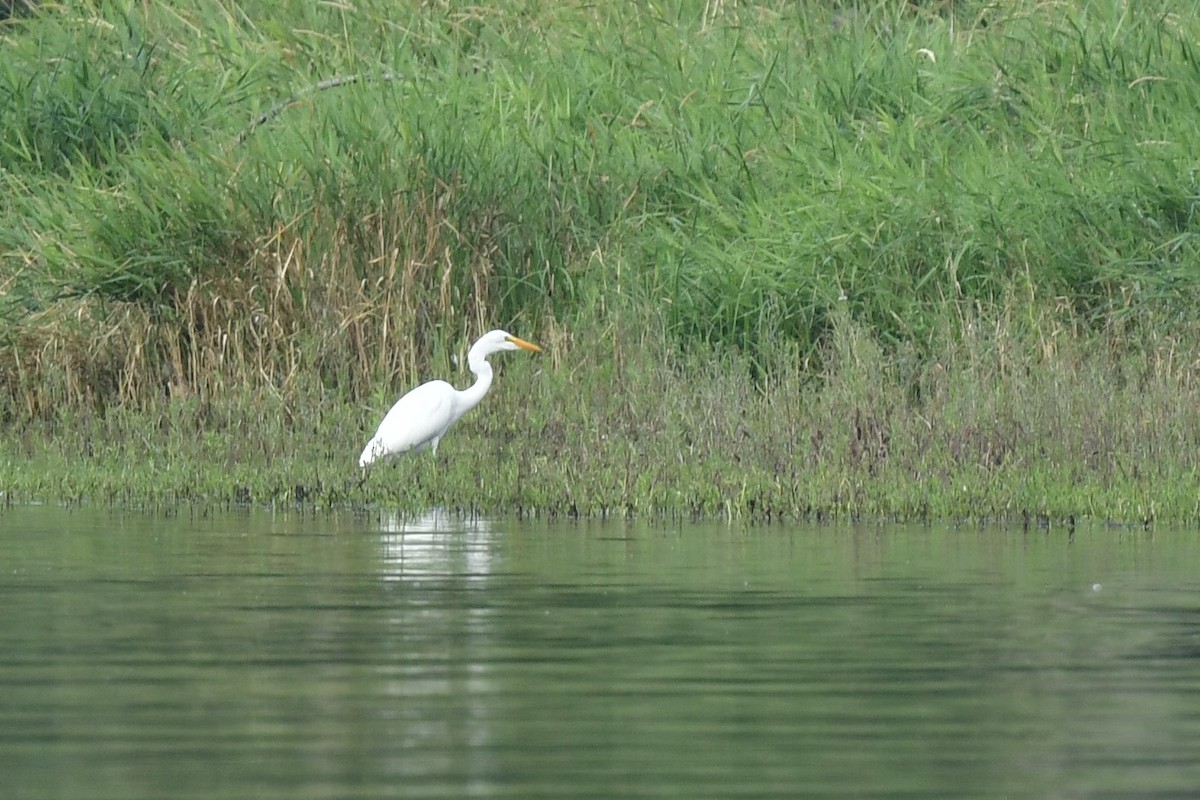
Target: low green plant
[{"x": 790, "y": 259}]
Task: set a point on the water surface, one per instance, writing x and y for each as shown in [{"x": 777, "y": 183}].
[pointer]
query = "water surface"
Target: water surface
[{"x": 293, "y": 656}]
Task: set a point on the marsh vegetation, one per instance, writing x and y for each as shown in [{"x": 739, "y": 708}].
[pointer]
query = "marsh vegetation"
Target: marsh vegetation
[{"x": 923, "y": 260}]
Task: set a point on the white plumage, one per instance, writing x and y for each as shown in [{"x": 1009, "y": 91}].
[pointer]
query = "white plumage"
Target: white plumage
[{"x": 421, "y": 418}]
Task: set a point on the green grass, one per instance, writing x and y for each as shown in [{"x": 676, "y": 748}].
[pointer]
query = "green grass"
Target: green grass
[
  {"x": 992, "y": 427},
  {"x": 867, "y": 259}
]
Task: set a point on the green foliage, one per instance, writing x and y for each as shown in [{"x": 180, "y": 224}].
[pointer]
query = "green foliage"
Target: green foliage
[
  {"x": 747, "y": 166},
  {"x": 905, "y": 164},
  {"x": 1012, "y": 422},
  {"x": 284, "y": 199}
]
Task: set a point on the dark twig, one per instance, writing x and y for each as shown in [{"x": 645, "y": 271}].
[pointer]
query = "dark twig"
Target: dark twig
[{"x": 328, "y": 83}]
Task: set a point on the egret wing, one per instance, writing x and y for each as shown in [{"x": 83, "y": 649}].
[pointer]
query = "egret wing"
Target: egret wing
[
  {"x": 418, "y": 417},
  {"x": 414, "y": 422}
]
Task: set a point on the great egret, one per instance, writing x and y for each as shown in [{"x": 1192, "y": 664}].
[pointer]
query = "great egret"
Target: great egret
[{"x": 420, "y": 418}]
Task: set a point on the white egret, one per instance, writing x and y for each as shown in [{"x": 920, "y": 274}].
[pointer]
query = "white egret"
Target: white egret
[{"x": 420, "y": 418}]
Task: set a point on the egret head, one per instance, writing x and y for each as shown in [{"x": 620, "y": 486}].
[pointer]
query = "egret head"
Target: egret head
[{"x": 495, "y": 341}]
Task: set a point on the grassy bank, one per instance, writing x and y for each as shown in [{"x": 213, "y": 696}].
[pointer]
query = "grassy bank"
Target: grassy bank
[
  {"x": 933, "y": 261},
  {"x": 997, "y": 425}
]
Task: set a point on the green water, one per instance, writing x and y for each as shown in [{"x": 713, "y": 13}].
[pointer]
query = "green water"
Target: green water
[{"x": 289, "y": 656}]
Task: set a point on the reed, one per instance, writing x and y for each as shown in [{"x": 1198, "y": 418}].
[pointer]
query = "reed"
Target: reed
[
  {"x": 787, "y": 259},
  {"x": 1010, "y": 422}
]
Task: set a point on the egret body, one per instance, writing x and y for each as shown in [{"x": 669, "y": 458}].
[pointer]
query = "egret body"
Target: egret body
[{"x": 421, "y": 418}]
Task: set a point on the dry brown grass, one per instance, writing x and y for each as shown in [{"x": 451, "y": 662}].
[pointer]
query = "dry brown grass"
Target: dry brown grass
[{"x": 370, "y": 308}]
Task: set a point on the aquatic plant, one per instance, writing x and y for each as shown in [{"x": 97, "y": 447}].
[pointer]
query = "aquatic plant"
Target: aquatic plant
[{"x": 878, "y": 244}]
